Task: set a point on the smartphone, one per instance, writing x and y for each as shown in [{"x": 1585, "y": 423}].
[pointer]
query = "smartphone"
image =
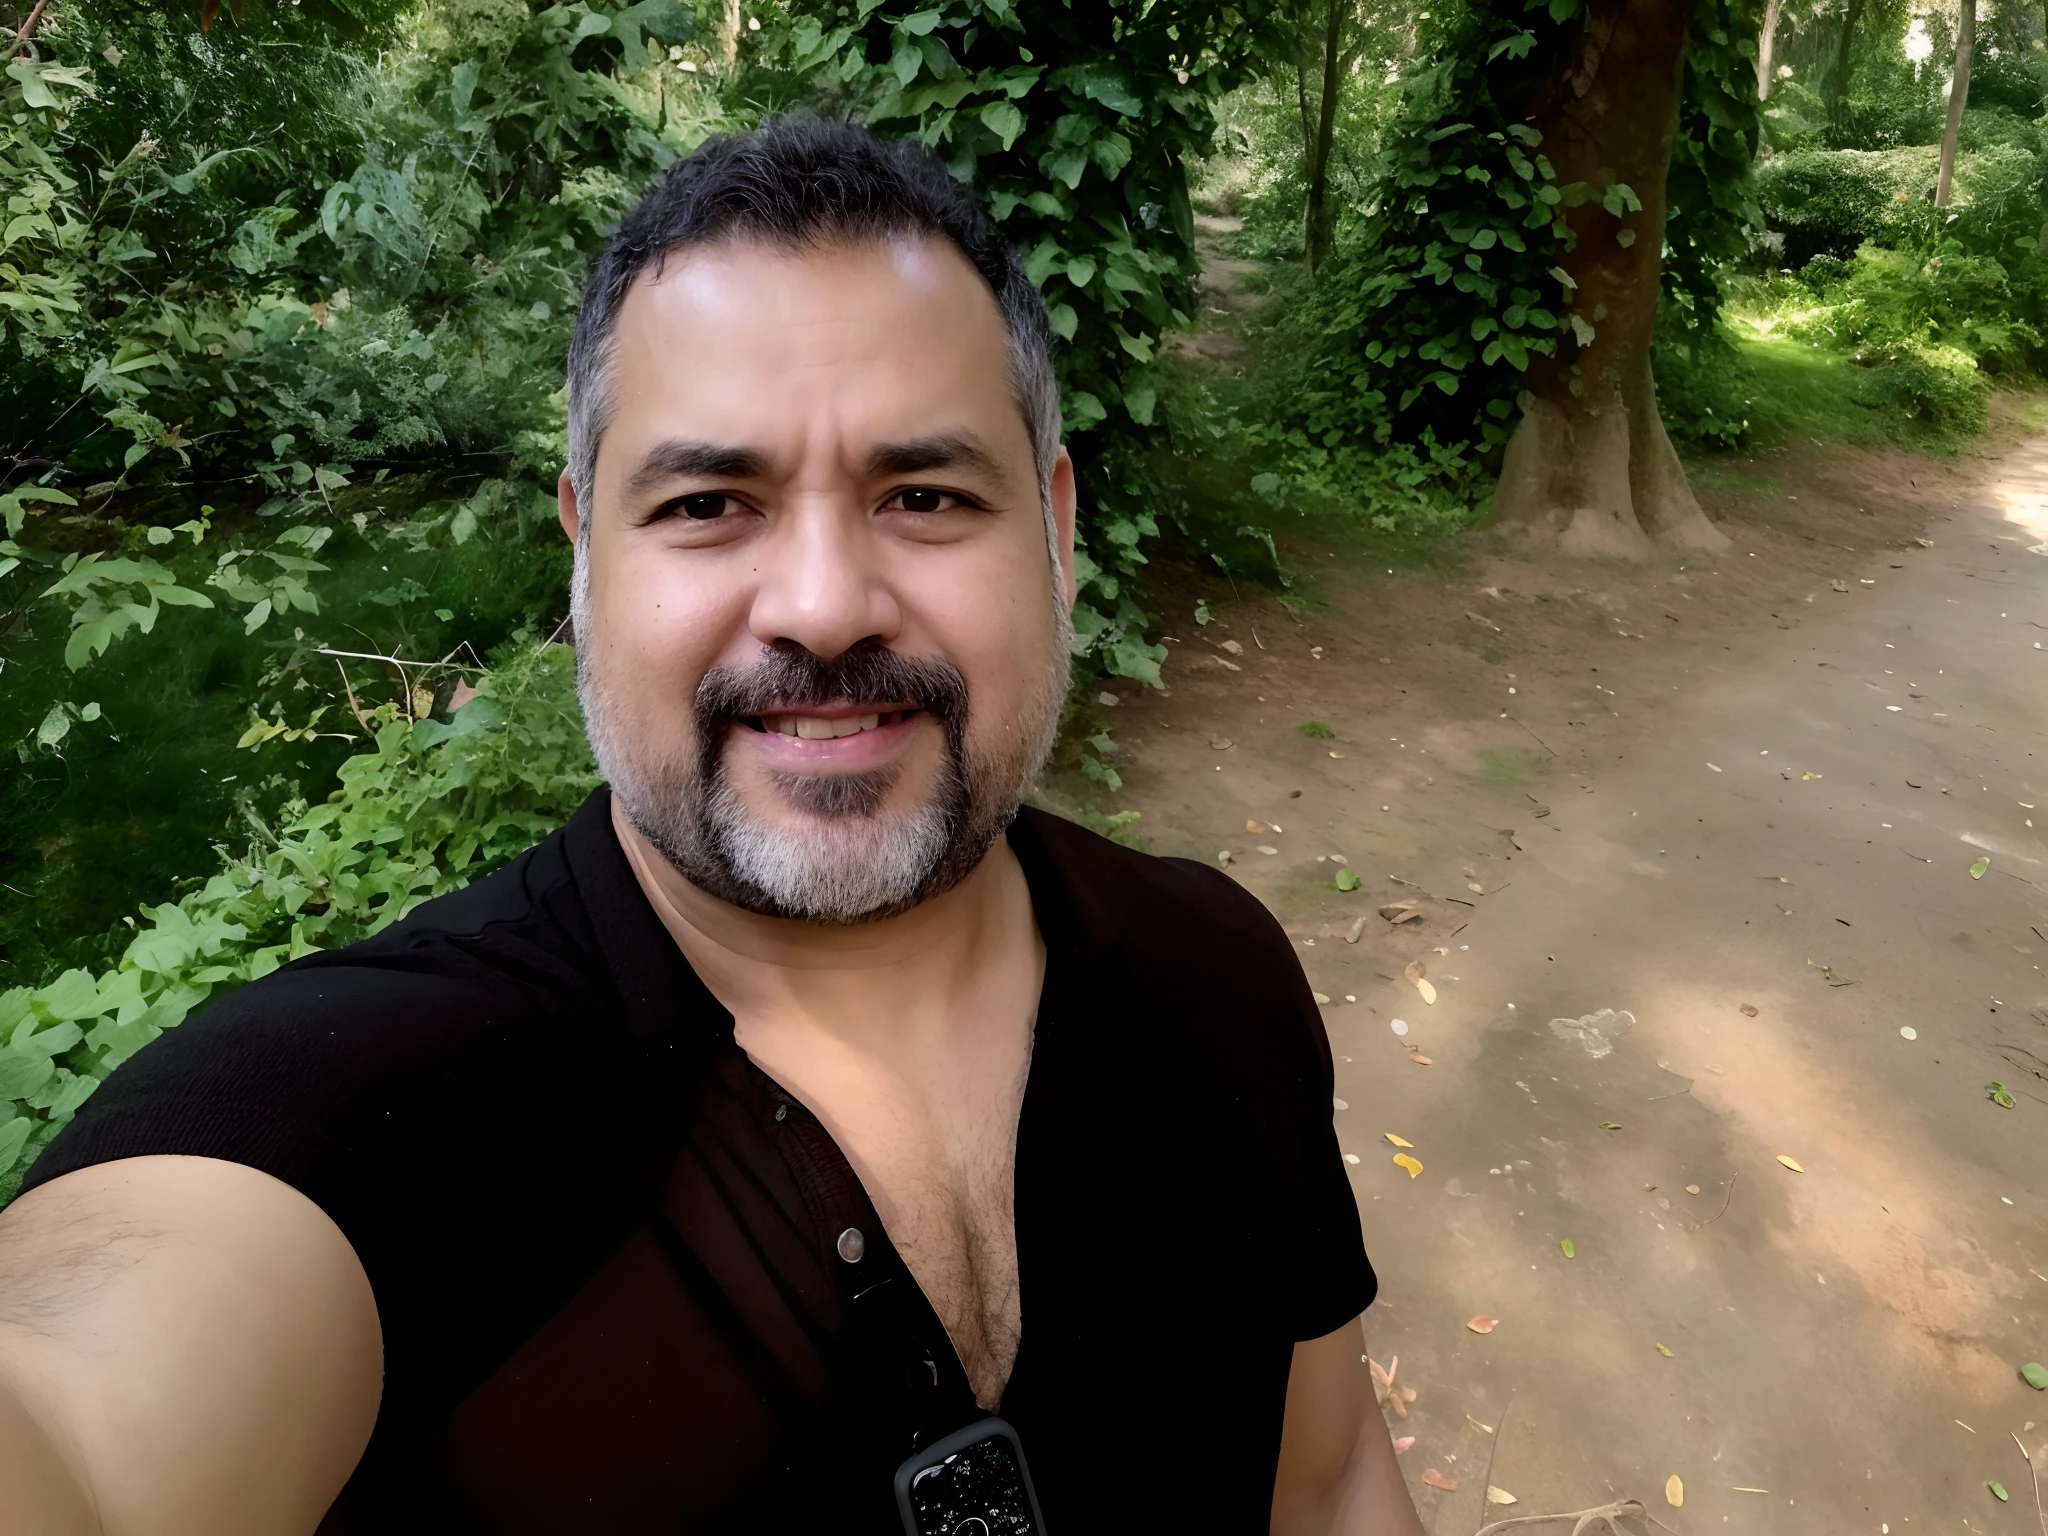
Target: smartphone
[{"x": 972, "y": 1483}]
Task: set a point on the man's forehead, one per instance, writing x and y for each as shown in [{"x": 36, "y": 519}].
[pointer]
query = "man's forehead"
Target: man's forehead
[
  {"x": 756, "y": 280},
  {"x": 748, "y": 343}
]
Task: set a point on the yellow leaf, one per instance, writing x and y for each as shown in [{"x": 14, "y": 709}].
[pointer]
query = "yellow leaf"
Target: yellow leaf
[
  {"x": 1399, "y": 1141},
  {"x": 1499, "y": 1496},
  {"x": 1789, "y": 1163},
  {"x": 1665, "y": 1352},
  {"x": 1427, "y": 989},
  {"x": 1403, "y": 1160},
  {"x": 1674, "y": 1492}
]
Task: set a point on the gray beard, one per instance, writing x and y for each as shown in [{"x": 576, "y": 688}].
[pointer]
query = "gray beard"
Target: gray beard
[{"x": 845, "y": 859}]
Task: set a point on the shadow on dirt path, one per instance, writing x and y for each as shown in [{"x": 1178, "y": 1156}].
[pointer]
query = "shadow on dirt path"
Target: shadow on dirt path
[{"x": 1738, "y": 804}]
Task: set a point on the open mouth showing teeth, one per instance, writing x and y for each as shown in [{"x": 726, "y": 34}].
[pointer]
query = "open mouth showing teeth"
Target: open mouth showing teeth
[{"x": 818, "y": 728}]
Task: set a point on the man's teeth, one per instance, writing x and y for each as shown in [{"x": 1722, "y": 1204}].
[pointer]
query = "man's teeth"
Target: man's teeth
[{"x": 812, "y": 728}]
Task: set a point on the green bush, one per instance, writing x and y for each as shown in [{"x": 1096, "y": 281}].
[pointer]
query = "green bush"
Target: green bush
[
  {"x": 1936, "y": 389},
  {"x": 1829, "y": 202},
  {"x": 432, "y": 807}
]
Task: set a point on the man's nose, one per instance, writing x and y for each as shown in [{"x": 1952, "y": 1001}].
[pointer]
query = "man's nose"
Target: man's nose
[{"x": 822, "y": 584}]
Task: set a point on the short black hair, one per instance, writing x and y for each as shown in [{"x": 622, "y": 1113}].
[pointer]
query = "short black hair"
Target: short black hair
[{"x": 801, "y": 182}]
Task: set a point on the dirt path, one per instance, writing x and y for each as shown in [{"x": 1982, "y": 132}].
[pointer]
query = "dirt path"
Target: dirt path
[{"x": 1672, "y": 794}]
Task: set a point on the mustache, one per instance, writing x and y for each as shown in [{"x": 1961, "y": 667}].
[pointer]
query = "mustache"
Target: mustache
[{"x": 788, "y": 676}]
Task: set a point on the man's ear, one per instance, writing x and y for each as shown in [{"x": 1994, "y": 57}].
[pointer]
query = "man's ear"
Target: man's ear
[
  {"x": 566, "y": 509},
  {"x": 1064, "y": 501}
]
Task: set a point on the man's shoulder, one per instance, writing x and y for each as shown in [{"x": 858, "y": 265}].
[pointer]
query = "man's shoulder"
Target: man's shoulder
[{"x": 1152, "y": 907}]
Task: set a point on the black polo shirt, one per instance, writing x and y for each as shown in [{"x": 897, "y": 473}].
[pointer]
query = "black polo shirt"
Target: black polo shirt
[{"x": 610, "y": 1254}]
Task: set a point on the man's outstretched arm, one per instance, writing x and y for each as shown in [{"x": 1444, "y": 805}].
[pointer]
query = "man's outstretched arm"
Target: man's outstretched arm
[
  {"x": 1337, "y": 1475},
  {"x": 187, "y": 1348}
]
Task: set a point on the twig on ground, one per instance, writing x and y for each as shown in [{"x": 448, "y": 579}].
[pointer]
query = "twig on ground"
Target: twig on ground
[
  {"x": 1500, "y": 1430},
  {"x": 1583, "y": 1519},
  {"x": 2034, "y": 1473},
  {"x": 1724, "y": 1206},
  {"x": 1534, "y": 737}
]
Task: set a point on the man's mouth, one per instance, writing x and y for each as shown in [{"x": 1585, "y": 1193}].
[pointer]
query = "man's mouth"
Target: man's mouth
[{"x": 825, "y": 727}]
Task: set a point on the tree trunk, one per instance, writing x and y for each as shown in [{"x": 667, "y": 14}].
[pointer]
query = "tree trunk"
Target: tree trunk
[
  {"x": 1767, "y": 47},
  {"x": 729, "y": 37},
  {"x": 1590, "y": 465},
  {"x": 1838, "y": 85},
  {"x": 1316, "y": 236},
  {"x": 1958, "y": 98}
]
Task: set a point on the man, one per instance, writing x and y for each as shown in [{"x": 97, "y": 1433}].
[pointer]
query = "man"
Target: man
[{"x": 794, "y": 1106}]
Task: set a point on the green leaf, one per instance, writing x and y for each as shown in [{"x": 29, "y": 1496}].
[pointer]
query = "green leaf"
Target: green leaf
[
  {"x": 1004, "y": 120},
  {"x": 1347, "y": 880},
  {"x": 256, "y": 617},
  {"x": 1998, "y": 1492},
  {"x": 1999, "y": 1094},
  {"x": 56, "y": 725},
  {"x": 2035, "y": 1375},
  {"x": 1141, "y": 399},
  {"x": 1565, "y": 1246},
  {"x": 1610, "y": 1125},
  {"x": 1081, "y": 271},
  {"x": 1977, "y": 869},
  {"x": 13, "y": 1137}
]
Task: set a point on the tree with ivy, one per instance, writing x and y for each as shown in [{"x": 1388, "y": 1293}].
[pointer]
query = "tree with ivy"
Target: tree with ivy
[{"x": 1559, "y": 169}]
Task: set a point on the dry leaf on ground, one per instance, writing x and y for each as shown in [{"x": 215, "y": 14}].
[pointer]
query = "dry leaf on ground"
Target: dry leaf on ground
[
  {"x": 1413, "y": 1165},
  {"x": 1436, "y": 1479},
  {"x": 1419, "y": 1059},
  {"x": 1674, "y": 1492},
  {"x": 1500, "y": 1496},
  {"x": 1403, "y": 1444},
  {"x": 1748, "y": 1010},
  {"x": 1255, "y": 826},
  {"x": 1665, "y": 1353},
  {"x": 1414, "y": 972},
  {"x": 1398, "y": 1141},
  {"x": 1483, "y": 1324},
  {"x": 1790, "y": 1163}
]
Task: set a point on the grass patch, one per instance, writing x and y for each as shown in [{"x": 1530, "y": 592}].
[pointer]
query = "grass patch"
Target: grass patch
[
  {"x": 1318, "y": 730},
  {"x": 1510, "y": 766}
]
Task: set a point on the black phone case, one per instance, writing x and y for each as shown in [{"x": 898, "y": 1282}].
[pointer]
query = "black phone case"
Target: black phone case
[{"x": 960, "y": 1440}]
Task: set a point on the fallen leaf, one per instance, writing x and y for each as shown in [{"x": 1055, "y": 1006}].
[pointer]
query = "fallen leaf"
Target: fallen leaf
[
  {"x": 1267, "y": 849},
  {"x": 1610, "y": 1125},
  {"x": 1223, "y": 859},
  {"x": 1999, "y": 1094},
  {"x": 1347, "y": 879},
  {"x": 1404, "y": 1444},
  {"x": 1997, "y": 1491},
  {"x": 1475, "y": 887},
  {"x": 1441, "y": 949},
  {"x": 1409, "y": 916},
  {"x": 1838, "y": 584},
  {"x": 1414, "y": 972},
  {"x": 1747, "y": 1010},
  {"x": 1674, "y": 1490},
  {"x": 1322, "y": 998},
  {"x": 1692, "y": 1189},
  {"x": 2035, "y": 1375},
  {"x": 1403, "y": 1160},
  {"x": 1565, "y": 1245},
  {"x": 1808, "y": 778},
  {"x": 1427, "y": 989},
  {"x": 1500, "y": 1496},
  {"x": 1234, "y": 647},
  {"x": 1924, "y": 543},
  {"x": 1665, "y": 1353},
  {"x": 1336, "y": 754},
  {"x": 1977, "y": 869},
  {"x": 1220, "y": 743},
  {"x": 1483, "y": 1324},
  {"x": 1789, "y": 1163},
  {"x": 1255, "y": 826},
  {"x": 1419, "y": 1059},
  {"x": 1399, "y": 1141},
  {"x": 1436, "y": 1479}
]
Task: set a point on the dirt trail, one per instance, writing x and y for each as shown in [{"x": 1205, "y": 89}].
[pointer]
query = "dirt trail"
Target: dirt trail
[{"x": 1675, "y": 792}]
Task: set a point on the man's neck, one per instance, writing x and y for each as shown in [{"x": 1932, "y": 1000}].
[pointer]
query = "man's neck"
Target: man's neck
[{"x": 881, "y": 986}]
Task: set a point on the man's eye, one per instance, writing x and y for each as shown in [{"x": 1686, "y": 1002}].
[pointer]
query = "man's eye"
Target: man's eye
[
  {"x": 919, "y": 499},
  {"x": 704, "y": 505}
]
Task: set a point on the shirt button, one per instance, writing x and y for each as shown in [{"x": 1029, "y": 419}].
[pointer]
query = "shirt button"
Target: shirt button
[{"x": 852, "y": 1246}]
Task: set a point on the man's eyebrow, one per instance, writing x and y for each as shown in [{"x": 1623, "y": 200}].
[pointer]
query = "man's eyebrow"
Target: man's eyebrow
[
  {"x": 943, "y": 450},
  {"x": 680, "y": 459}
]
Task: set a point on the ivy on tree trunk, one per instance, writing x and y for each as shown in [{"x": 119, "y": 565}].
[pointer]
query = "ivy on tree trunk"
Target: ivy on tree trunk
[{"x": 1590, "y": 462}]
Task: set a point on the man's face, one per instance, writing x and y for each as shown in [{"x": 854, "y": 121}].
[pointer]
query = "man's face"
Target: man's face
[{"x": 820, "y": 641}]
